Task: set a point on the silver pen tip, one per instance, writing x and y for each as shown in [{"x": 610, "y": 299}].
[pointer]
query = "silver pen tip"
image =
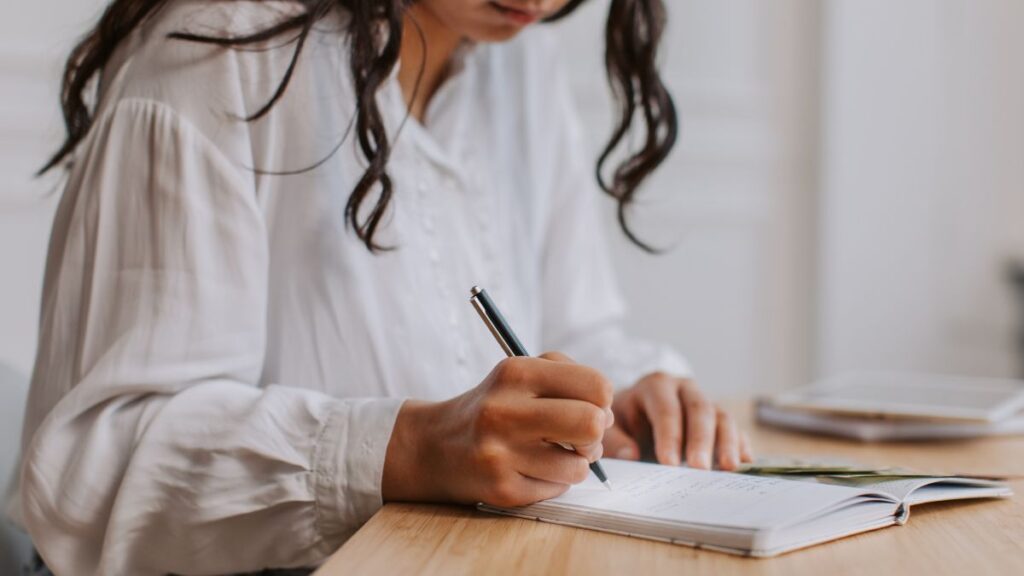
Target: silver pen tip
[
  {"x": 607, "y": 484},
  {"x": 475, "y": 291}
]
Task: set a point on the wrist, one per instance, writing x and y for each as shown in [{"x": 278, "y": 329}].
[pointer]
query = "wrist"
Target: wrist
[{"x": 409, "y": 466}]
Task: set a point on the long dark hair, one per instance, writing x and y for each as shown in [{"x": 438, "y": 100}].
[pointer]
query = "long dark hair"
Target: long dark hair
[{"x": 633, "y": 33}]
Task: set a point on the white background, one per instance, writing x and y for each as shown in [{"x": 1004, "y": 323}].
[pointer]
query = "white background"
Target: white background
[{"x": 848, "y": 189}]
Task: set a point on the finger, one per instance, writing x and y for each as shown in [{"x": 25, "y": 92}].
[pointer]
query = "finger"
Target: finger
[
  {"x": 562, "y": 358},
  {"x": 523, "y": 491},
  {"x": 663, "y": 409},
  {"x": 700, "y": 426},
  {"x": 630, "y": 416},
  {"x": 746, "y": 450},
  {"x": 537, "y": 490},
  {"x": 618, "y": 444},
  {"x": 552, "y": 463},
  {"x": 571, "y": 421},
  {"x": 557, "y": 357},
  {"x": 727, "y": 442},
  {"x": 556, "y": 379},
  {"x": 592, "y": 452}
]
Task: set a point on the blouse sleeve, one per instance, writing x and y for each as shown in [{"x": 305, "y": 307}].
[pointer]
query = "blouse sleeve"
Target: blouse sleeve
[
  {"x": 152, "y": 447},
  {"x": 583, "y": 310}
]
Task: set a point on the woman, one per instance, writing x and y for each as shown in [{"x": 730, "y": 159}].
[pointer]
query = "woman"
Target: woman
[{"x": 255, "y": 326}]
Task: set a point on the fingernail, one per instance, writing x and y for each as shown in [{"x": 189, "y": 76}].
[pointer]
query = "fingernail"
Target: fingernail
[
  {"x": 625, "y": 453},
  {"x": 702, "y": 462},
  {"x": 674, "y": 459},
  {"x": 609, "y": 418}
]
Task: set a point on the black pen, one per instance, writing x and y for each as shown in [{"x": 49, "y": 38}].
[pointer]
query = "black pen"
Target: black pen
[{"x": 502, "y": 332}]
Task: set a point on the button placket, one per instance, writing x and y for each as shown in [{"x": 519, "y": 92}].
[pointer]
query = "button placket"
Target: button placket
[
  {"x": 454, "y": 184},
  {"x": 444, "y": 185}
]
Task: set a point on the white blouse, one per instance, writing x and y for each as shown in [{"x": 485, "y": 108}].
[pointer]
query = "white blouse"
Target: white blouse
[{"x": 221, "y": 360}]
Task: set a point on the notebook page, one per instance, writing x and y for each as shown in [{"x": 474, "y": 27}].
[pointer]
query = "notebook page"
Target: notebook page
[{"x": 686, "y": 495}]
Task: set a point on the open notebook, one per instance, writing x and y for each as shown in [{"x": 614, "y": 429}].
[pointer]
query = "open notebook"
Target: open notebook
[{"x": 741, "y": 514}]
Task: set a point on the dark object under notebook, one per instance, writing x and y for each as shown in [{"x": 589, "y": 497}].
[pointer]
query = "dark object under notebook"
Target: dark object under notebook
[{"x": 1017, "y": 280}]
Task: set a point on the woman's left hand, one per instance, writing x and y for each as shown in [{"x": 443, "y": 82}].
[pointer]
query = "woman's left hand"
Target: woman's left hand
[{"x": 669, "y": 417}]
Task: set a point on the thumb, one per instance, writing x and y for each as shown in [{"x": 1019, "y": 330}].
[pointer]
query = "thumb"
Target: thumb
[{"x": 618, "y": 444}]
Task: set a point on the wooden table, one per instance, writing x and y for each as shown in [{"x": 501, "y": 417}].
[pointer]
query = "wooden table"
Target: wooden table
[{"x": 973, "y": 538}]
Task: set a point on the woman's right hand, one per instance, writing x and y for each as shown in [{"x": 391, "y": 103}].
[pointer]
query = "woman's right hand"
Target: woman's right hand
[{"x": 497, "y": 443}]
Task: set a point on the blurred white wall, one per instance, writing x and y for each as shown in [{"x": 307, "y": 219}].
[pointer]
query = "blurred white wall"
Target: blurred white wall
[
  {"x": 923, "y": 188},
  {"x": 34, "y": 39},
  {"x": 845, "y": 191}
]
